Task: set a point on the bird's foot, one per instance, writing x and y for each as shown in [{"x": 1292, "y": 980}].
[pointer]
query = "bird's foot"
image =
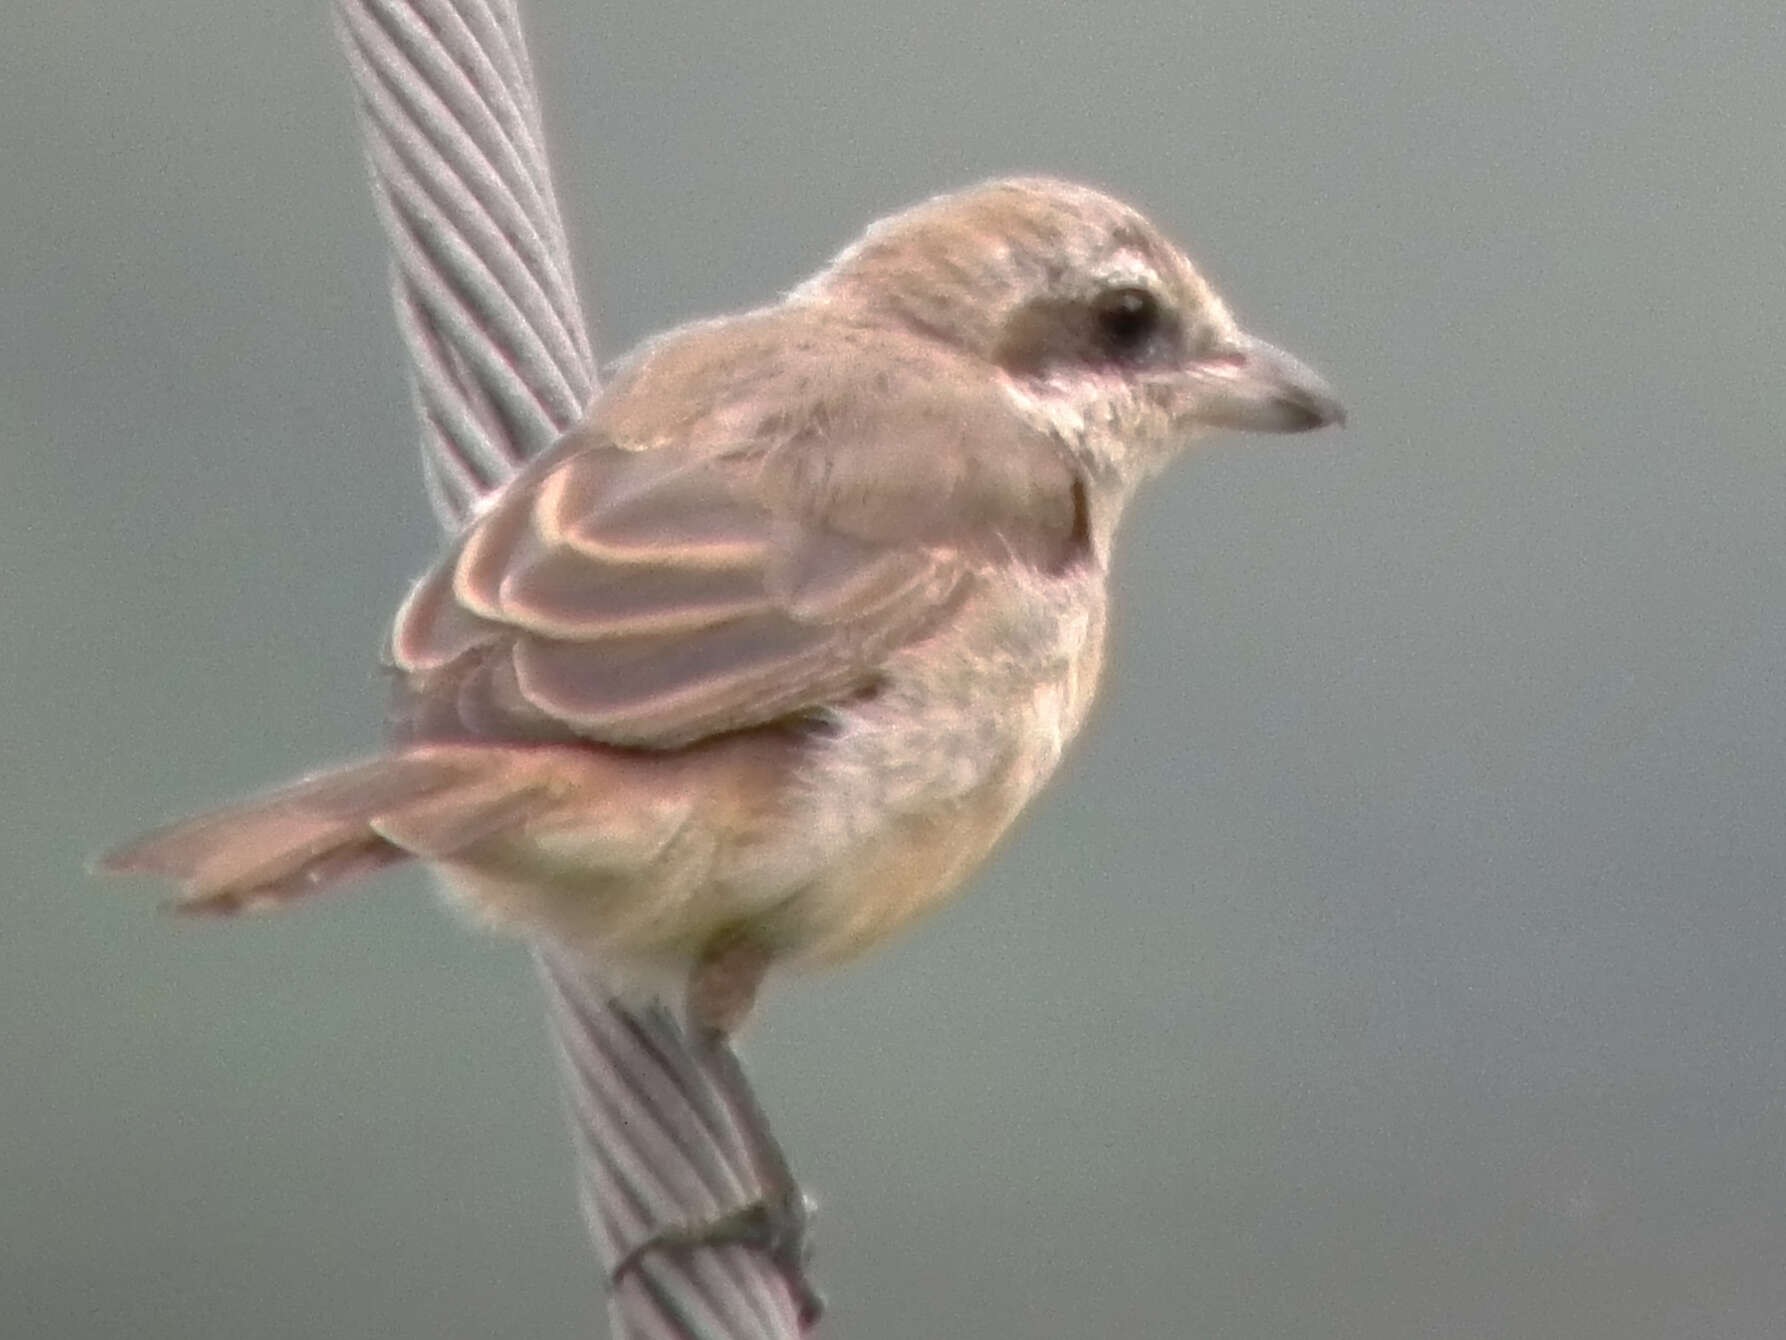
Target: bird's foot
[{"x": 777, "y": 1225}]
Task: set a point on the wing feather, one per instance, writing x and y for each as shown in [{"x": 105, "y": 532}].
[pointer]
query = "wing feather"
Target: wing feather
[
  {"x": 725, "y": 579},
  {"x": 562, "y": 594}
]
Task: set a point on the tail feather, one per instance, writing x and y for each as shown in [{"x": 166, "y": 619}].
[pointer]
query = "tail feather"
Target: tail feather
[{"x": 328, "y": 829}]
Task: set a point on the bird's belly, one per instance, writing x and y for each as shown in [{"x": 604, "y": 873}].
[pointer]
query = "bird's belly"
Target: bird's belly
[
  {"x": 920, "y": 784},
  {"x": 913, "y": 858},
  {"x": 820, "y": 848}
]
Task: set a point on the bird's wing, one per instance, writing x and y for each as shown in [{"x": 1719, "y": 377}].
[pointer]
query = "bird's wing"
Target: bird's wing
[{"x": 656, "y": 597}]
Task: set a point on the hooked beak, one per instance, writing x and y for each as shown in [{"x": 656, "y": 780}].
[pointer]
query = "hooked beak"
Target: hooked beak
[{"x": 1258, "y": 388}]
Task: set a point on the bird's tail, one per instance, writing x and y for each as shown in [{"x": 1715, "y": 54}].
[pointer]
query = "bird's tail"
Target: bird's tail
[{"x": 331, "y": 828}]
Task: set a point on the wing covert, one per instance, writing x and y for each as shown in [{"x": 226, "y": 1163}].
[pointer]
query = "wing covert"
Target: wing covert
[
  {"x": 681, "y": 609},
  {"x": 733, "y": 573}
]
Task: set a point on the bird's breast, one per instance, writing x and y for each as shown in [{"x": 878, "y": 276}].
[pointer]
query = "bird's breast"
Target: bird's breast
[
  {"x": 818, "y": 842},
  {"x": 919, "y": 782}
]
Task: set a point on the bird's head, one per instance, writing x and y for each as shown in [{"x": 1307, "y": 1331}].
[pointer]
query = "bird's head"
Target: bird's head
[{"x": 1101, "y": 328}]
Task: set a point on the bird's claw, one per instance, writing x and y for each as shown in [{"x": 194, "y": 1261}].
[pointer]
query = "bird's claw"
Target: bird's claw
[{"x": 777, "y": 1226}]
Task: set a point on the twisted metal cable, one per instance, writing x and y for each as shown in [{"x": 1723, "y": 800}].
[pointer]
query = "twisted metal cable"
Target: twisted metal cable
[
  {"x": 482, "y": 283},
  {"x": 501, "y": 364}
]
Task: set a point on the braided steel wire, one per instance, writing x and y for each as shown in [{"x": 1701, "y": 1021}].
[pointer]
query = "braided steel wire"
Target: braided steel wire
[{"x": 501, "y": 363}]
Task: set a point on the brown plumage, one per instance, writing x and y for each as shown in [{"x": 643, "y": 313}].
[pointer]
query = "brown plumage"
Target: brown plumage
[
  {"x": 761, "y": 660},
  {"x": 761, "y": 565},
  {"x": 772, "y": 648}
]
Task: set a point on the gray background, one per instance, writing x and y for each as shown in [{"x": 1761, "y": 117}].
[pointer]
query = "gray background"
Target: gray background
[{"x": 1403, "y": 955}]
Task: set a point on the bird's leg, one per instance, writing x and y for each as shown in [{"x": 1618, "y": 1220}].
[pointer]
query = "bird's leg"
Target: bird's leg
[{"x": 721, "y": 990}]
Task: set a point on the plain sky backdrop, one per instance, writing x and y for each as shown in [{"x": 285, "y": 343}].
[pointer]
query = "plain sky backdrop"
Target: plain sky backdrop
[{"x": 1402, "y": 955}]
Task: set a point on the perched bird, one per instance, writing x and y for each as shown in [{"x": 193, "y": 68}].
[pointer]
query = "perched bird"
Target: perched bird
[{"x": 757, "y": 663}]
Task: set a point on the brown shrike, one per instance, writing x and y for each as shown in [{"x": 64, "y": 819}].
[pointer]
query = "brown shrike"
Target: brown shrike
[{"x": 757, "y": 664}]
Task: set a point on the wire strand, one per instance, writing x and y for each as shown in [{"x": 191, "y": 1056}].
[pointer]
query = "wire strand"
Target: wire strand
[{"x": 501, "y": 363}]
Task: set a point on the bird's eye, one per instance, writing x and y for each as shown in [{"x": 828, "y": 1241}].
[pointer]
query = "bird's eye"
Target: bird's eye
[{"x": 1128, "y": 319}]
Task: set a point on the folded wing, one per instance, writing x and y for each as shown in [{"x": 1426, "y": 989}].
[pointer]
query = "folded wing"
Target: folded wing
[{"x": 655, "y": 597}]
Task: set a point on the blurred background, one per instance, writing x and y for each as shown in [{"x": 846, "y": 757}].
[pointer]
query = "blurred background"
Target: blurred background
[{"x": 1403, "y": 953}]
